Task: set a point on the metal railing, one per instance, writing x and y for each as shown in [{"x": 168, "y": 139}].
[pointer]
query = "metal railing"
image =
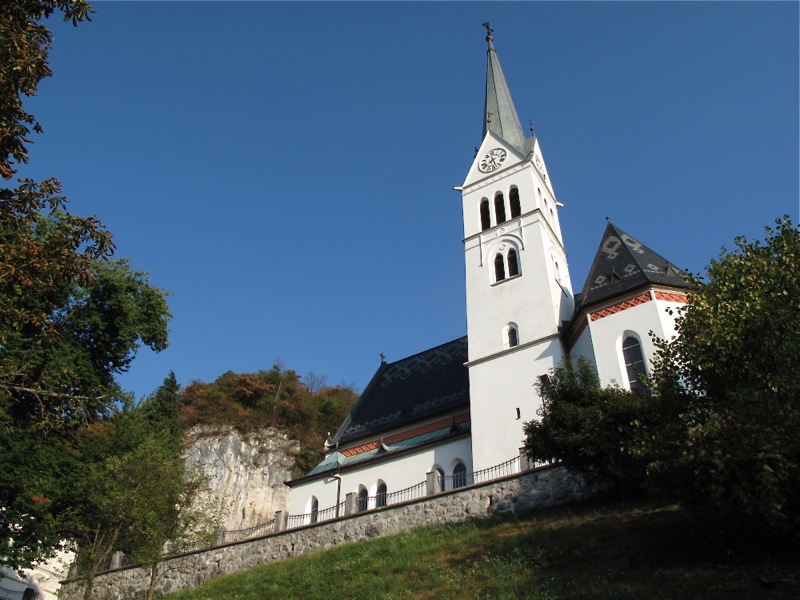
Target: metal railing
[
  {"x": 360, "y": 505},
  {"x": 29, "y": 594},
  {"x": 227, "y": 536}
]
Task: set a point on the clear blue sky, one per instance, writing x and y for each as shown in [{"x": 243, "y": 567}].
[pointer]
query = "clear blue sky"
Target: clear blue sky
[{"x": 286, "y": 169}]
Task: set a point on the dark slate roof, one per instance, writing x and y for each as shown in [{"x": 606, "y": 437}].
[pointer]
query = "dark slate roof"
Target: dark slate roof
[
  {"x": 623, "y": 264},
  {"x": 414, "y": 388}
]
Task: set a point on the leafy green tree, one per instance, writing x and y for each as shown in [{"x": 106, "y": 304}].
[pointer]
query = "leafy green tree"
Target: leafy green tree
[
  {"x": 734, "y": 371},
  {"x": 136, "y": 495},
  {"x": 600, "y": 432},
  {"x": 58, "y": 379},
  {"x": 24, "y": 45},
  {"x": 70, "y": 320}
]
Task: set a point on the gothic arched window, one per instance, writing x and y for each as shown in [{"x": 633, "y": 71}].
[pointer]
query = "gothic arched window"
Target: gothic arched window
[
  {"x": 513, "y": 198},
  {"x": 634, "y": 362},
  {"x": 486, "y": 221},
  {"x": 499, "y": 208}
]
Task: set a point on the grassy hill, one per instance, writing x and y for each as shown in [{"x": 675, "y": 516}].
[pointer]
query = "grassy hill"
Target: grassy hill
[{"x": 597, "y": 550}]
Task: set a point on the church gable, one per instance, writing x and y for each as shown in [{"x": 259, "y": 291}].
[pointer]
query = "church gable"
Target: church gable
[
  {"x": 405, "y": 392},
  {"x": 623, "y": 264}
]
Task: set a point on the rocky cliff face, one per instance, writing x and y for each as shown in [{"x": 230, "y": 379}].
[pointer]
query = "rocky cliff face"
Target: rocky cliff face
[{"x": 246, "y": 471}]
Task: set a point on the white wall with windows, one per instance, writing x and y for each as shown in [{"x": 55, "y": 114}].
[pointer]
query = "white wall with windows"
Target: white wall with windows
[
  {"x": 609, "y": 334},
  {"x": 386, "y": 476}
]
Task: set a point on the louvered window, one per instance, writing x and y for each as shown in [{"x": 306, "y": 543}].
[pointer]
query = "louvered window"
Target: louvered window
[
  {"x": 486, "y": 221},
  {"x": 499, "y": 268},
  {"x": 499, "y": 208},
  {"x": 513, "y": 265},
  {"x": 515, "y": 206}
]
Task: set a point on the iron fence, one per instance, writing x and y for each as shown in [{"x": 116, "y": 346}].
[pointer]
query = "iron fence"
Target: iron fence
[
  {"x": 28, "y": 594},
  {"x": 362, "y": 504},
  {"x": 227, "y": 536}
]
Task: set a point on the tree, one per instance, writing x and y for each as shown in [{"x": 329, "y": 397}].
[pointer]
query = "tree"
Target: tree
[
  {"x": 24, "y": 45},
  {"x": 56, "y": 380},
  {"x": 734, "y": 370},
  {"x": 136, "y": 495},
  {"x": 600, "y": 432},
  {"x": 70, "y": 320}
]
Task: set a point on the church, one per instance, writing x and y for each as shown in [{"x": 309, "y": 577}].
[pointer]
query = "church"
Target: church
[{"x": 451, "y": 412}]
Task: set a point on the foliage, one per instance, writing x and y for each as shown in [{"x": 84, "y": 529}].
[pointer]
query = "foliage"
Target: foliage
[
  {"x": 54, "y": 381},
  {"x": 136, "y": 494},
  {"x": 722, "y": 425},
  {"x": 24, "y": 45},
  {"x": 70, "y": 320},
  {"x": 734, "y": 369},
  {"x": 602, "y": 551},
  {"x": 274, "y": 398},
  {"x": 598, "y": 431}
]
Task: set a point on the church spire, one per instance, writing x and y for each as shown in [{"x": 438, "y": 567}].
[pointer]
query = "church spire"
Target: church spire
[{"x": 500, "y": 116}]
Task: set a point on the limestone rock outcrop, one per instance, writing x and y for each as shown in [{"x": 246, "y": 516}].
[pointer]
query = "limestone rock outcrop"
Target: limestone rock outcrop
[{"x": 246, "y": 471}]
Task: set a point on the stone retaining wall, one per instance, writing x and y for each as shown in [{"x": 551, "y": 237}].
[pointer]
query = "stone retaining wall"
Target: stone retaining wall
[{"x": 546, "y": 486}]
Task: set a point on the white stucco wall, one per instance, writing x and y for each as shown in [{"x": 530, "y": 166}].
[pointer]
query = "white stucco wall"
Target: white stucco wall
[
  {"x": 608, "y": 332},
  {"x": 497, "y": 388},
  {"x": 397, "y": 473}
]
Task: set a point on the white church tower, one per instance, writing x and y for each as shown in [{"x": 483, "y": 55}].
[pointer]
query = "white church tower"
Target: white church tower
[{"x": 517, "y": 281}]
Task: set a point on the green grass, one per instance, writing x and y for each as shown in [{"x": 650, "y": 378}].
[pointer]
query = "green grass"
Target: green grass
[{"x": 606, "y": 551}]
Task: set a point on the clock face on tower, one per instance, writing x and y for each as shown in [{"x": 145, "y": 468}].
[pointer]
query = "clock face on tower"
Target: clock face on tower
[{"x": 492, "y": 161}]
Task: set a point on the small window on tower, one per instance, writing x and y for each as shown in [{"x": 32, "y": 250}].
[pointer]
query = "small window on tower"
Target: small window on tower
[
  {"x": 513, "y": 265},
  {"x": 514, "y": 199},
  {"x": 486, "y": 221},
  {"x": 512, "y": 337},
  {"x": 499, "y": 268},
  {"x": 500, "y": 208}
]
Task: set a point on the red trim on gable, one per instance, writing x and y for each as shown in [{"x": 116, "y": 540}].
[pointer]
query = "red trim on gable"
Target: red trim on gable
[
  {"x": 404, "y": 435},
  {"x": 620, "y": 306},
  {"x": 672, "y": 296}
]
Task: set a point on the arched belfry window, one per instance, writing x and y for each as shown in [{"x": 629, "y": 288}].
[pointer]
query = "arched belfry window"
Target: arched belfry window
[
  {"x": 506, "y": 265},
  {"x": 513, "y": 265},
  {"x": 499, "y": 208},
  {"x": 486, "y": 221},
  {"x": 634, "y": 362},
  {"x": 513, "y": 198},
  {"x": 499, "y": 268}
]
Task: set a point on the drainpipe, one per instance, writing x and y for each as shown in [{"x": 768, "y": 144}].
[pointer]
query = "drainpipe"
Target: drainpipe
[{"x": 338, "y": 478}]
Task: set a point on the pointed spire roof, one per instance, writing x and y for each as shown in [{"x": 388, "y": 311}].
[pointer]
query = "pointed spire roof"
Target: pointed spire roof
[
  {"x": 623, "y": 264},
  {"x": 499, "y": 114}
]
